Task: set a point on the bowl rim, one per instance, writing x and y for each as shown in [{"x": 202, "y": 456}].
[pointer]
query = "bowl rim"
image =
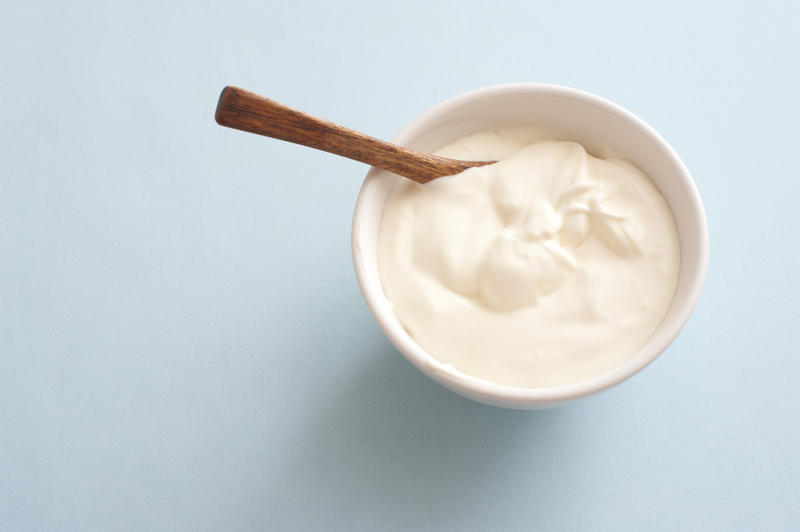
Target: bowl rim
[{"x": 494, "y": 393}]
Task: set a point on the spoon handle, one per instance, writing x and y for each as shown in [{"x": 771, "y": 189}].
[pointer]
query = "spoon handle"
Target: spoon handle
[{"x": 246, "y": 111}]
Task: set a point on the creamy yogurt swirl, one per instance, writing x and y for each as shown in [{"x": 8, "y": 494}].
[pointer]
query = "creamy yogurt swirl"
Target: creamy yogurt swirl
[{"x": 548, "y": 267}]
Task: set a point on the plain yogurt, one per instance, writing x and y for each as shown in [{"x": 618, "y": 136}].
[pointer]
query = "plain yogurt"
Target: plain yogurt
[{"x": 549, "y": 267}]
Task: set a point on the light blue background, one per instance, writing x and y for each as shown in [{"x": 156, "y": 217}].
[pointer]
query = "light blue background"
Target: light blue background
[{"x": 183, "y": 345}]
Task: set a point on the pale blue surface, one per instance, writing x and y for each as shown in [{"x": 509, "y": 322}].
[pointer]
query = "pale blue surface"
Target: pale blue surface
[{"x": 182, "y": 342}]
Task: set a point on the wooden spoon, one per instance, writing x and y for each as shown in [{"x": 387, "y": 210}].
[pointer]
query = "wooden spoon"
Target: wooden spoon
[{"x": 240, "y": 109}]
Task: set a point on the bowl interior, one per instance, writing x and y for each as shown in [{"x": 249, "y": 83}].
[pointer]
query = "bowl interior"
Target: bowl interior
[{"x": 604, "y": 129}]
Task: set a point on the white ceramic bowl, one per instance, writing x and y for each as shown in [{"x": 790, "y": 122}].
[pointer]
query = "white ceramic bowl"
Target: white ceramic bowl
[{"x": 603, "y": 128}]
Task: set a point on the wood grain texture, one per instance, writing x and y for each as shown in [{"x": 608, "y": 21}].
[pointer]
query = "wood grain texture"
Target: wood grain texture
[{"x": 246, "y": 111}]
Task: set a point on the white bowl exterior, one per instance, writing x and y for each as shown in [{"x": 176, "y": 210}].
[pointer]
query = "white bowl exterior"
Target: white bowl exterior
[{"x": 604, "y": 129}]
